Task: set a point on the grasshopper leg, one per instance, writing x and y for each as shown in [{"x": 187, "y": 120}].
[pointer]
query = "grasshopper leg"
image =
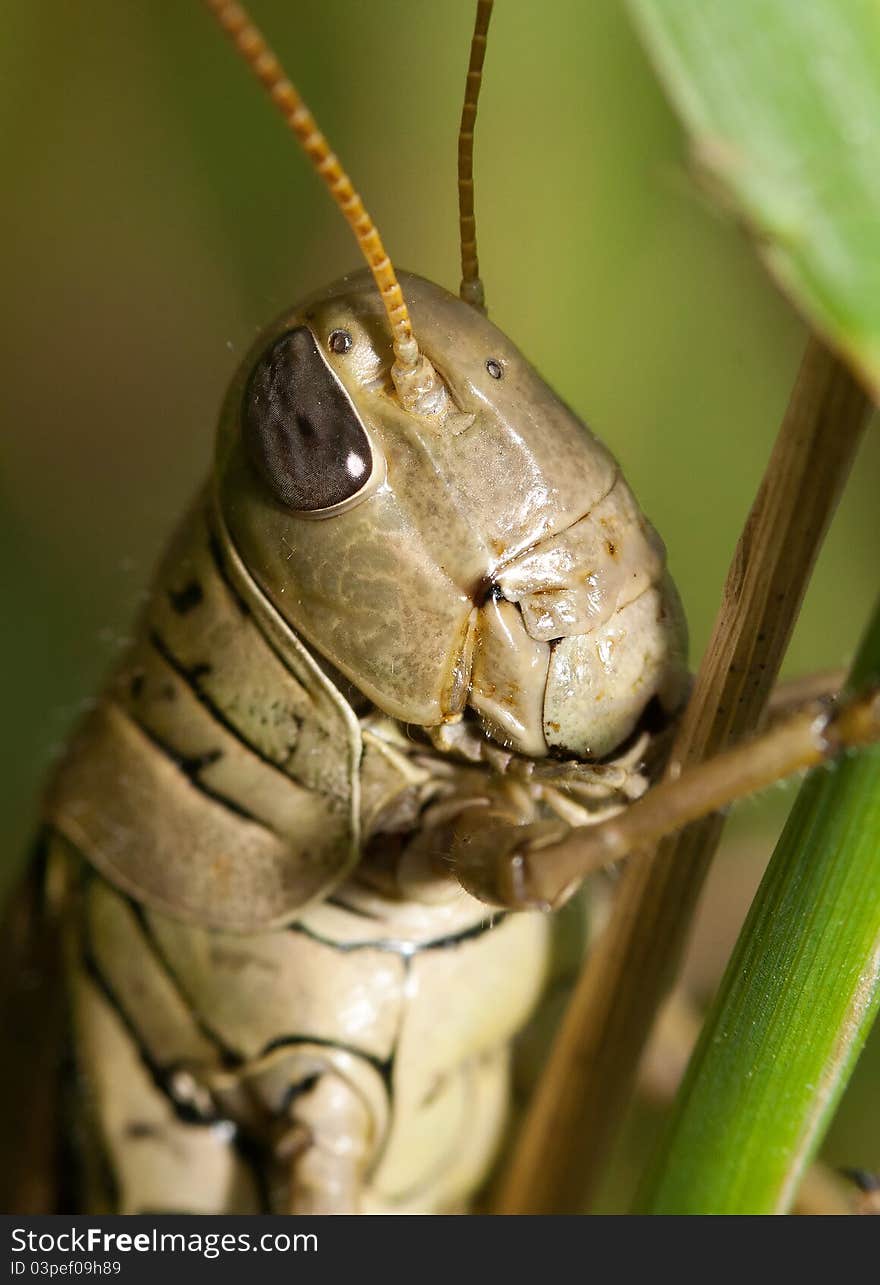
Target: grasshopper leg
[
  {"x": 540, "y": 865},
  {"x": 792, "y": 693},
  {"x": 327, "y": 1147}
]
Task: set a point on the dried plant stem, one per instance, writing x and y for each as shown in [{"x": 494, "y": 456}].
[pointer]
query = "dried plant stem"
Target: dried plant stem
[{"x": 589, "y": 1078}]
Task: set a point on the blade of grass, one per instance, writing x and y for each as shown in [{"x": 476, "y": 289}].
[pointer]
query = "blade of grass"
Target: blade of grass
[
  {"x": 588, "y": 1080},
  {"x": 794, "y": 1009},
  {"x": 783, "y": 103}
]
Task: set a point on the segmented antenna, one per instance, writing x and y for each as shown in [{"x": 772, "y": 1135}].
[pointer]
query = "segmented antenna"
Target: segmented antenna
[
  {"x": 471, "y": 288},
  {"x": 418, "y": 385}
]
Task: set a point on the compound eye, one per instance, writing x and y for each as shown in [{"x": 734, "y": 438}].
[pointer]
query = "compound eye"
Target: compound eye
[{"x": 301, "y": 429}]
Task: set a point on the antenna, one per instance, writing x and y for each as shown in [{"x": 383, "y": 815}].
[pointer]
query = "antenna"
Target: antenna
[
  {"x": 471, "y": 288},
  {"x": 419, "y": 387}
]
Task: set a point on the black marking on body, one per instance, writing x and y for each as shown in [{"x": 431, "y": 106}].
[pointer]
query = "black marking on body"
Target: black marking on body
[
  {"x": 186, "y": 599},
  {"x": 400, "y": 945},
  {"x": 191, "y": 765},
  {"x": 250, "y": 1151},
  {"x": 298, "y": 1090},
  {"x": 195, "y": 763},
  {"x": 229, "y": 1058},
  {"x": 255, "y": 1155},
  {"x": 139, "y": 1130},
  {"x": 192, "y": 675},
  {"x": 384, "y": 1066},
  {"x": 352, "y": 910},
  {"x": 160, "y": 1075}
]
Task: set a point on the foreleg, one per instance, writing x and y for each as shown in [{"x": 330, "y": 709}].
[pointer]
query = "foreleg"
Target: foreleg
[{"x": 539, "y": 865}]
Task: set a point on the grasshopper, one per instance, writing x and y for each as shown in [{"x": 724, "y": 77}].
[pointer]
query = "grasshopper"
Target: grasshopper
[{"x": 413, "y": 635}]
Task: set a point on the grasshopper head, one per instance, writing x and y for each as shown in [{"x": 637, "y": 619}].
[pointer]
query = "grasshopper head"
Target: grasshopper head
[{"x": 490, "y": 559}]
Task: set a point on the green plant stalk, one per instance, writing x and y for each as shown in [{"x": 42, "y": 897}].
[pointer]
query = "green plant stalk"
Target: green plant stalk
[{"x": 794, "y": 1008}]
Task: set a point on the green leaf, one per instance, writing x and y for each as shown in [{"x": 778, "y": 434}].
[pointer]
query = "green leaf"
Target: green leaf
[
  {"x": 782, "y": 98},
  {"x": 795, "y": 1005}
]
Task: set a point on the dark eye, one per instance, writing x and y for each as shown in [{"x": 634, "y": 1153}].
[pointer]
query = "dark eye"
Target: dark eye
[
  {"x": 301, "y": 429},
  {"x": 495, "y": 369}
]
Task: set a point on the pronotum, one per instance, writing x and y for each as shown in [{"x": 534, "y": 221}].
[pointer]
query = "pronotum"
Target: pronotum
[{"x": 415, "y": 612}]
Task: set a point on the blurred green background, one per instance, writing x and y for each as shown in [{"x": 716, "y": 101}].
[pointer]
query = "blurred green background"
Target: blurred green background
[{"x": 156, "y": 214}]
